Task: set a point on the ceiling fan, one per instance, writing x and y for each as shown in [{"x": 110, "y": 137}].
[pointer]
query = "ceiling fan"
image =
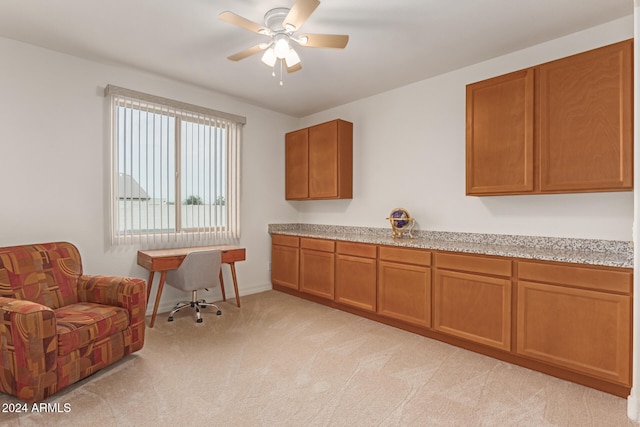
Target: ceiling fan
[{"x": 280, "y": 24}]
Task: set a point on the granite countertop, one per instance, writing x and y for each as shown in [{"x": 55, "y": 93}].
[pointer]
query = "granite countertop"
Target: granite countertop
[{"x": 612, "y": 253}]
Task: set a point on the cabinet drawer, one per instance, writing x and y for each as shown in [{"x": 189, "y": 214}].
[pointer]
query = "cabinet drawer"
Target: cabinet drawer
[
  {"x": 476, "y": 264},
  {"x": 583, "y": 277},
  {"x": 409, "y": 256},
  {"x": 356, "y": 249},
  {"x": 282, "y": 240},
  {"x": 317, "y": 244}
]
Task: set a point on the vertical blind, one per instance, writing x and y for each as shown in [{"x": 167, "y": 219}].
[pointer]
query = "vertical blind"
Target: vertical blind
[{"x": 175, "y": 171}]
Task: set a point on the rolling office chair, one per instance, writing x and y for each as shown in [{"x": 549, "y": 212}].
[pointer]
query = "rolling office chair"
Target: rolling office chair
[{"x": 199, "y": 270}]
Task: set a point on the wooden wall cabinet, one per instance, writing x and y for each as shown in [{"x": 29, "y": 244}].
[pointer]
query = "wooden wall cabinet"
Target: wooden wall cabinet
[
  {"x": 500, "y": 134},
  {"x": 472, "y": 298},
  {"x": 319, "y": 162},
  {"x": 576, "y": 317},
  {"x": 565, "y": 126},
  {"x": 297, "y": 164},
  {"x": 404, "y": 285},
  {"x": 356, "y": 275},
  {"x": 317, "y": 267},
  {"x": 285, "y": 260}
]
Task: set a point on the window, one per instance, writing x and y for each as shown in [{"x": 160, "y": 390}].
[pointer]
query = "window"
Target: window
[{"x": 175, "y": 170}]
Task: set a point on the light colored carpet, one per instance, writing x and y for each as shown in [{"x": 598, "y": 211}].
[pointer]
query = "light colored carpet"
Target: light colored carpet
[{"x": 283, "y": 361}]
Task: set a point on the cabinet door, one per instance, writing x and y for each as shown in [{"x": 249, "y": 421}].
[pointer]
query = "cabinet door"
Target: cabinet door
[
  {"x": 586, "y": 331},
  {"x": 284, "y": 266},
  {"x": 500, "y": 123},
  {"x": 297, "y": 165},
  {"x": 473, "y": 307},
  {"x": 404, "y": 292},
  {"x": 585, "y": 121},
  {"x": 323, "y": 160},
  {"x": 356, "y": 282},
  {"x": 317, "y": 273}
]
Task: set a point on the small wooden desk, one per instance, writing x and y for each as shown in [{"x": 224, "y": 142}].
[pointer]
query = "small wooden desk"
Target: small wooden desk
[{"x": 163, "y": 260}]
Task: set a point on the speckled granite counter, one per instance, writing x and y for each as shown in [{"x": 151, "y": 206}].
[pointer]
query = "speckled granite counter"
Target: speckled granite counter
[{"x": 612, "y": 253}]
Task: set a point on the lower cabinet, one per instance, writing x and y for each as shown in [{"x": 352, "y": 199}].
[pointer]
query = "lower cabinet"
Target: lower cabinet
[
  {"x": 573, "y": 321},
  {"x": 583, "y": 328},
  {"x": 317, "y": 267},
  {"x": 472, "y": 298},
  {"x": 404, "y": 285},
  {"x": 356, "y": 275},
  {"x": 284, "y": 260}
]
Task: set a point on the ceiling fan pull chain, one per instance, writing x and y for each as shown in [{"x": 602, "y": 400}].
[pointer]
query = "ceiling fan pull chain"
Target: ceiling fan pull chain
[{"x": 281, "y": 61}]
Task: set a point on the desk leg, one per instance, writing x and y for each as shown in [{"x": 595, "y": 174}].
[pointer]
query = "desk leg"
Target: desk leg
[
  {"x": 158, "y": 295},
  {"x": 149, "y": 285},
  {"x": 224, "y": 297},
  {"x": 235, "y": 282}
]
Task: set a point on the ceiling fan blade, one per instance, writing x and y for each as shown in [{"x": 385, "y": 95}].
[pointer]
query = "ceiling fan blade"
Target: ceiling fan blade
[
  {"x": 299, "y": 13},
  {"x": 324, "y": 40},
  {"x": 248, "y": 52},
  {"x": 238, "y": 20},
  {"x": 294, "y": 68}
]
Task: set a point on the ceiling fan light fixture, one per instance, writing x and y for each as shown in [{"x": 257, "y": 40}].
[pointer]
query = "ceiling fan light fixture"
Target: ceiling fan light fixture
[
  {"x": 292, "y": 58},
  {"x": 269, "y": 57},
  {"x": 281, "y": 46}
]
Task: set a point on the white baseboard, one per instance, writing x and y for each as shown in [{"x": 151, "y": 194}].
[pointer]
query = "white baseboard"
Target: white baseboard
[{"x": 633, "y": 407}]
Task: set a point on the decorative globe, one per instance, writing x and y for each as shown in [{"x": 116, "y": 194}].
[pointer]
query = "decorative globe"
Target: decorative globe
[
  {"x": 402, "y": 217},
  {"x": 400, "y": 221}
]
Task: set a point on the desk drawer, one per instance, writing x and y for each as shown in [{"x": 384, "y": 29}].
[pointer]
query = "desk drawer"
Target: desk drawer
[{"x": 233, "y": 255}]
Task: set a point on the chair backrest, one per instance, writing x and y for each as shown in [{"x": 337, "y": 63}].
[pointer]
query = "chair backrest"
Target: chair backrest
[
  {"x": 199, "y": 270},
  {"x": 45, "y": 273}
]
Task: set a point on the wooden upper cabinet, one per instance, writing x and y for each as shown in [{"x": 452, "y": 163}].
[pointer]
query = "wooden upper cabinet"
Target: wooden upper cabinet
[
  {"x": 297, "y": 164},
  {"x": 565, "y": 126},
  {"x": 500, "y": 134},
  {"x": 585, "y": 121},
  {"x": 319, "y": 162}
]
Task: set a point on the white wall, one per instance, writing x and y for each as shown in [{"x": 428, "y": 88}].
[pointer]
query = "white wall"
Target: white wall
[
  {"x": 54, "y": 151},
  {"x": 409, "y": 151}
]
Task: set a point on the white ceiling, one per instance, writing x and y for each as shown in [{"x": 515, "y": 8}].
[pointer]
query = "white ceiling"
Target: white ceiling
[{"x": 392, "y": 43}]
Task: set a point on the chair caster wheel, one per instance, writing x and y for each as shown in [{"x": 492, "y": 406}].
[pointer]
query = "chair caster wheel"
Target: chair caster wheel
[
  {"x": 170, "y": 319},
  {"x": 218, "y": 312},
  {"x": 199, "y": 320}
]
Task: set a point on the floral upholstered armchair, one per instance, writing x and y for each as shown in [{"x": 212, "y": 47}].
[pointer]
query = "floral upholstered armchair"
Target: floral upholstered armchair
[{"x": 58, "y": 326}]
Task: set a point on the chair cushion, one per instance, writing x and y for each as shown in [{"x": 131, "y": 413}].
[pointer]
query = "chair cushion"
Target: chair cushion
[{"x": 80, "y": 324}]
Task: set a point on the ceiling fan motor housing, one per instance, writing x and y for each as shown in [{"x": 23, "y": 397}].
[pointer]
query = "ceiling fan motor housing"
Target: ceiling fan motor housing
[{"x": 274, "y": 19}]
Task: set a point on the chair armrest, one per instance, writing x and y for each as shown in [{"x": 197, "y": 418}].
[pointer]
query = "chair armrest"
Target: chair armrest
[
  {"x": 126, "y": 292},
  {"x": 28, "y": 349}
]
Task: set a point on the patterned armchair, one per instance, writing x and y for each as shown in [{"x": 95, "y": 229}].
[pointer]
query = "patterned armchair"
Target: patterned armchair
[{"x": 58, "y": 326}]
